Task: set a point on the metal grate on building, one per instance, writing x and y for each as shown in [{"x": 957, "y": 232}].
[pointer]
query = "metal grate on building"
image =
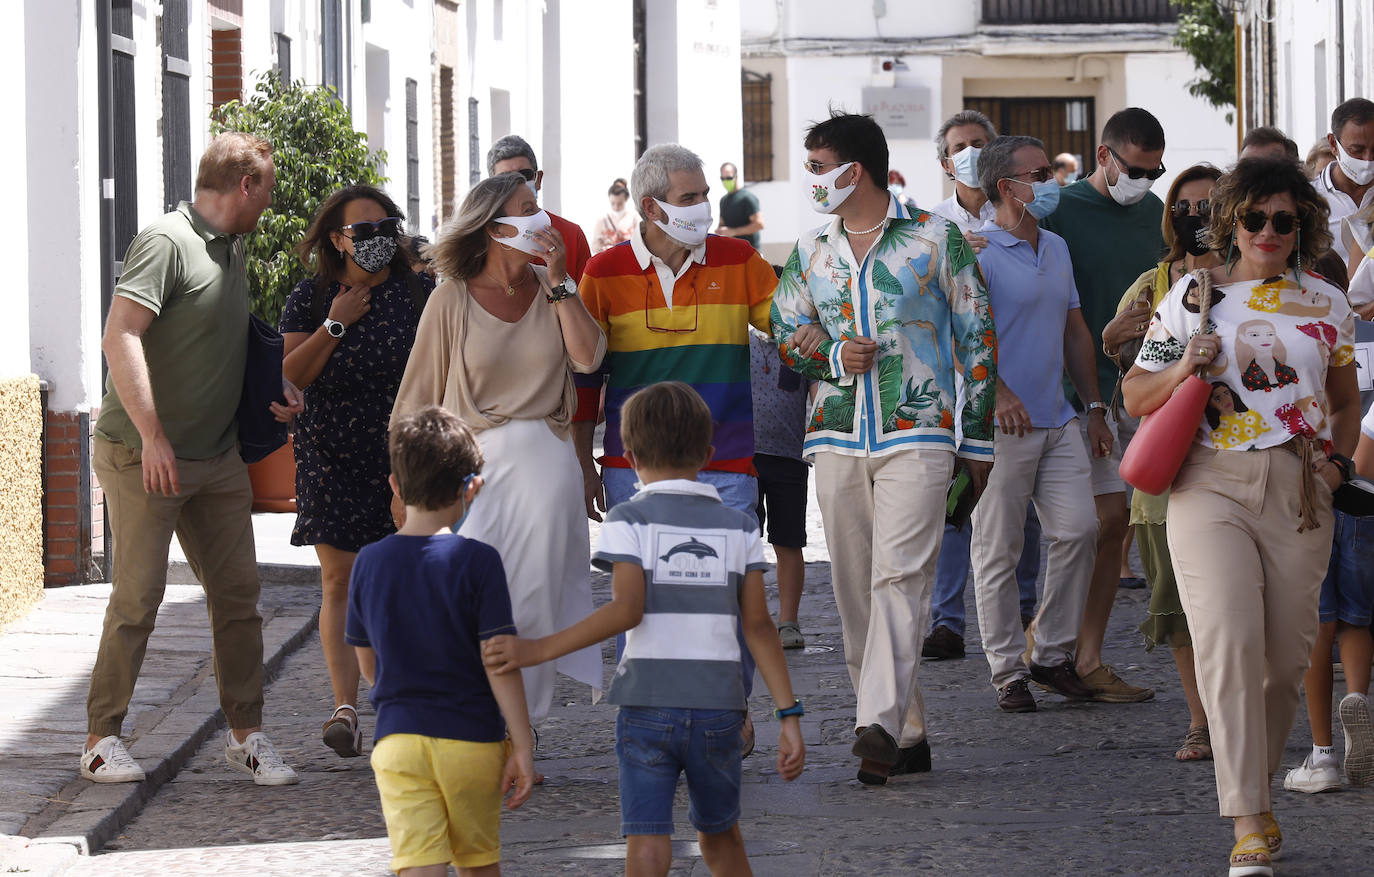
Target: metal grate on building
[
  {"x": 1078, "y": 12},
  {"x": 474, "y": 144},
  {"x": 226, "y": 66},
  {"x": 1065, "y": 124},
  {"x": 413, "y": 154},
  {"x": 176, "y": 104},
  {"x": 757, "y": 105},
  {"x": 448, "y": 149},
  {"x": 125, "y": 141}
]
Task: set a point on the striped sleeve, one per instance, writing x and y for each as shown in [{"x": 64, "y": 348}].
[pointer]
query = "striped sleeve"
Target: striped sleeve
[
  {"x": 754, "y": 559},
  {"x": 619, "y": 543}
]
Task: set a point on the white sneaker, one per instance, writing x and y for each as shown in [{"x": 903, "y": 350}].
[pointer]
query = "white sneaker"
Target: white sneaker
[
  {"x": 109, "y": 762},
  {"x": 1359, "y": 739},
  {"x": 1313, "y": 778},
  {"x": 257, "y": 756}
]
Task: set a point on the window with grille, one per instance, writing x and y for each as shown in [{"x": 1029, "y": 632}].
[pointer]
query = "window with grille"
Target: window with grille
[
  {"x": 176, "y": 104},
  {"x": 474, "y": 144},
  {"x": 331, "y": 45},
  {"x": 1065, "y": 124},
  {"x": 758, "y": 126},
  {"x": 448, "y": 159},
  {"x": 284, "y": 58}
]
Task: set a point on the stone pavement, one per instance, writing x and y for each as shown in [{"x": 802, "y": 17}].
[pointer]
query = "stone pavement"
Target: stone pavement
[{"x": 1072, "y": 789}]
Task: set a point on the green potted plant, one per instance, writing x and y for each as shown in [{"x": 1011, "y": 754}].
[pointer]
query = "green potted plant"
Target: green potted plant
[{"x": 316, "y": 151}]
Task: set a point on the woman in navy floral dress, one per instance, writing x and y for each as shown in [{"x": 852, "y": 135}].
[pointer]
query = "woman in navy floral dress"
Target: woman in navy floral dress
[{"x": 348, "y": 330}]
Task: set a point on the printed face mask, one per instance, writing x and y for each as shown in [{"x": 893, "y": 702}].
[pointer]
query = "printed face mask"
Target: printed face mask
[
  {"x": 526, "y": 227},
  {"x": 374, "y": 254},
  {"x": 686, "y": 225},
  {"x": 1191, "y": 232},
  {"x": 821, "y": 192},
  {"x": 1046, "y": 198},
  {"x": 966, "y": 166},
  {"x": 1361, "y": 172},
  {"x": 1126, "y": 191}
]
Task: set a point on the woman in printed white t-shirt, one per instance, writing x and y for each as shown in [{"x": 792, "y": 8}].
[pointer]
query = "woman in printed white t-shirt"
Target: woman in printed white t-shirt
[{"x": 1251, "y": 523}]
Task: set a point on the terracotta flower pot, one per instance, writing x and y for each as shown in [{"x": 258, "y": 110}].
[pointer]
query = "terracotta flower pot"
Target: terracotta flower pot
[{"x": 274, "y": 480}]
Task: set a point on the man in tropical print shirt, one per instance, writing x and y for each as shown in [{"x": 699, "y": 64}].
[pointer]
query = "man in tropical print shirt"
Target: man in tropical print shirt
[{"x": 901, "y": 303}]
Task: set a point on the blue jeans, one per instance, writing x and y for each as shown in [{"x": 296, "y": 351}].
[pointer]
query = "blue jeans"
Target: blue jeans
[
  {"x": 1348, "y": 589},
  {"x": 656, "y": 744},
  {"x": 737, "y": 491},
  {"x": 952, "y": 568}
]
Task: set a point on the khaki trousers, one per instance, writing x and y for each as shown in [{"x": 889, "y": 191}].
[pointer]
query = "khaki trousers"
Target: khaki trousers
[
  {"x": 1249, "y": 584},
  {"x": 1049, "y": 466},
  {"x": 884, "y": 518},
  {"x": 212, "y": 516}
]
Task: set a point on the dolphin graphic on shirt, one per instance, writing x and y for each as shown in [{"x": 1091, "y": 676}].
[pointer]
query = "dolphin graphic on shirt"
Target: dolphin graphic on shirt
[{"x": 692, "y": 546}]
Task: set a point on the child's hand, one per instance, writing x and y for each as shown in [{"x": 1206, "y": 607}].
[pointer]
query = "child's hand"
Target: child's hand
[
  {"x": 791, "y": 749},
  {"x": 504, "y": 653},
  {"x": 519, "y": 773}
]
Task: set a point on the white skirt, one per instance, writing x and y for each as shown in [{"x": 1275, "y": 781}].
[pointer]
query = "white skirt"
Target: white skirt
[{"x": 532, "y": 510}]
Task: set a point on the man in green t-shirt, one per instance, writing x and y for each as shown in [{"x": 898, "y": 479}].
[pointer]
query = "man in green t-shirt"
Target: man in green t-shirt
[
  {"x": 166, "y": 452},
  {"x": 1112, "y": 224},
  {"x": 740, "y": 216}
]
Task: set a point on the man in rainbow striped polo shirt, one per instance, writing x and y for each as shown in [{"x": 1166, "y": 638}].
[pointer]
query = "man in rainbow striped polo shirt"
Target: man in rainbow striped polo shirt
[{"x": 676, "y": 304}]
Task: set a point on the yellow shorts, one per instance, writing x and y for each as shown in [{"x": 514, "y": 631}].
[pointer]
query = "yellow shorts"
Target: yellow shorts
[{"x": 441, "y": 799}]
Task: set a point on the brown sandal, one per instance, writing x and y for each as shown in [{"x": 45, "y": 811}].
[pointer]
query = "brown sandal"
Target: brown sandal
[{"x": 1197, "y": 745}]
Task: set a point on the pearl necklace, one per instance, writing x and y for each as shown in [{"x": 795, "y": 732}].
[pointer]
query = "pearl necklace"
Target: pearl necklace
[{"x": 847, "y": 230}]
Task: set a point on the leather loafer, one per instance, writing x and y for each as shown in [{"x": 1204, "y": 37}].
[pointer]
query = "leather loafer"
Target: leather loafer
[
  {"x": 943, "y": 644},
  {"x": 1015, "y": 696},
  {"x": 1063, "y": 678},
  {"x": 912, "y": 759}
]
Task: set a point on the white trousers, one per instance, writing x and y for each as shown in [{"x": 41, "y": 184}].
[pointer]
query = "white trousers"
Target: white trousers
[
  {"x": 531, "y": 510},
  {"x": 884, "y": 518},
  {"x": 1049, "y": 467}
]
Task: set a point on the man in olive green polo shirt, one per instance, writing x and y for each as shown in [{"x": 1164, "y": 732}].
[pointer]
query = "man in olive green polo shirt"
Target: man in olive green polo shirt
[{"x": 176, "y": 340}]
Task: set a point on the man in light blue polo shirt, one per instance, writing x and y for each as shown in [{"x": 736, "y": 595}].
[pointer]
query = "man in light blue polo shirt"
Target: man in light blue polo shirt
[{"x": 1040, "y": 454}]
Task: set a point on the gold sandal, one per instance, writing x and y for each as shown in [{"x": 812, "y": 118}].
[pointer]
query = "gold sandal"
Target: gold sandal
[
  {"x": 1197, "y": 745},
  {"x": 1250, "y": 857},
  {"x": 1272, "y": 834}
]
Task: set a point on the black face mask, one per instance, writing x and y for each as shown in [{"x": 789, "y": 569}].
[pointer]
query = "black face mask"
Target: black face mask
[{"x": 1192, "y": 234}]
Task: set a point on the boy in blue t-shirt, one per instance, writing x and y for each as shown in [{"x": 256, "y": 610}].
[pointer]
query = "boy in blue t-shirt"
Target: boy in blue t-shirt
[
  {"x": 420, "y": 603},
  {"x": 685, "y": 571}
]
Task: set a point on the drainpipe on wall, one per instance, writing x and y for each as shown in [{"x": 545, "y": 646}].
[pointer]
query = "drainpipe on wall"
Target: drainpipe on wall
[{"x": 105, "y": 125}]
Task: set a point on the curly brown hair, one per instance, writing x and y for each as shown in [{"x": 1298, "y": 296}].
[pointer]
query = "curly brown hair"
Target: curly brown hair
[{"x": 1255, "y": 179}]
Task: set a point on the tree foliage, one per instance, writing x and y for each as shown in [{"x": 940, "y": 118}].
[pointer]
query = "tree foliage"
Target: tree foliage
[
  {"x": 316, "y": 151},
  {"x": 1209, "y": 36}
]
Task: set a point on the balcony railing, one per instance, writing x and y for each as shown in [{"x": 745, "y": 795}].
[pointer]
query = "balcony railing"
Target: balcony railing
[{"x": 1078, "y": 12}]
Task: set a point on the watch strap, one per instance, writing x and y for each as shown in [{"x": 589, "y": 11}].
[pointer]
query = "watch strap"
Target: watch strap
[{"x": 793, "y": 710}]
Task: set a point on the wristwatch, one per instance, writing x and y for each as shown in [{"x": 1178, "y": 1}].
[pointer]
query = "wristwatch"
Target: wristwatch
[
  {"x": 1098, "y": 406},
  {"x": 334, "y": 328},
  {"x": 1343, "y": 463},
  {"x": 565, "y": 290},
  {"x": 793, "y": 710}
]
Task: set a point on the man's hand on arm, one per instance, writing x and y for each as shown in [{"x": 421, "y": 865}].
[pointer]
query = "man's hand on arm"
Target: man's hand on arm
[
  {"x": 808, "y": 339},
  {"x": 857, "y": 355},
  {"x": 295, "y": 402}
]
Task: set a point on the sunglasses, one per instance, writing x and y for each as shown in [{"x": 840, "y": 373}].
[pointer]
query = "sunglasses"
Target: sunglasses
[
  {"x": 363, "y": 231},
  {"x": 1182, "y": 207},
  {"x": 525, "y": 172},
  {"x": 1254, "y": 221},
  {"x": 726, "y": 179},
  {"x": 1136, "y": 173},
  {"x": 818, "y": 167},
  {"x": 1038, "y": 175}
]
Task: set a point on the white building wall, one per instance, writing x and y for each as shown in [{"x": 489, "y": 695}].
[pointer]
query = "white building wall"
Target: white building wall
[
  {"x": 14, "y": 333},
  {"x": 1309, "y": 40},
  {"x": 58, "y": 158},
  {"x": 1194, "y": 131}
]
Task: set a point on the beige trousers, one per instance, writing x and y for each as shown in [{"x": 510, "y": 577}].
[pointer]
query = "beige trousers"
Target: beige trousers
[
  {"x": 212, "y": 516},
  {"x": 1049, "y": 466},
  {"x": 884, "y": 518},
  {"x": 1249, "y": 583}
]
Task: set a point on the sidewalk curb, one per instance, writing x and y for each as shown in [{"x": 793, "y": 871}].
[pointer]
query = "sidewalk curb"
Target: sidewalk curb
[
  {"x": 98, "y": 812},
  {"x": 179, "y": 573}
]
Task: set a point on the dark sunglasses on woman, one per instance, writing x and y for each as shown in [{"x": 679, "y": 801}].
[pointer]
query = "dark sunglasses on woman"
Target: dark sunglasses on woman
[
  {"x": 387, "y": 228},
  {"x": 1254, "y": 221},
  {"x": 1201, "y": 207}
]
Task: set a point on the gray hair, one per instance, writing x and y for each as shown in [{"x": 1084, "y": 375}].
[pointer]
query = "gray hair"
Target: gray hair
[
  {"x": 963, "y": 117},
  {"x": 510, "y": 146},
  {"x": 650, "y": 177},
  {"x": 461, "y": 250},
  {"x": 997, "y": 161}
]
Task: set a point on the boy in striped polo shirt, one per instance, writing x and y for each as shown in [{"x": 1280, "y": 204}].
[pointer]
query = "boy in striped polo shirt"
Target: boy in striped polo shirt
[{"x": 685, "y": 571}]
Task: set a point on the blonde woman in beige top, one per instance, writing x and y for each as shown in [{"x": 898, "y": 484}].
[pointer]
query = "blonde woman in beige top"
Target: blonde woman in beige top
[{"x": 497, "y": 346}]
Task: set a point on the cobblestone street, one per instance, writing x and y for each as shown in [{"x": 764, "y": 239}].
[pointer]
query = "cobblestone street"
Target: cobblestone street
[{"x": 1071, "y": 789}]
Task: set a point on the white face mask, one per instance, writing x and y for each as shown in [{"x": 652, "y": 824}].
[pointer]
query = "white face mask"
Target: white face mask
[
  {"x": 1126, "y": 191},
  {"x": 821, "y": 191},
  {"x": 525, "y": 229},
  {"x": 534, "y": 187},
  {"x": 965, "y": 163},
  {"x": 686, "y": 225},
  {"x": 1360, "y": 171}
]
